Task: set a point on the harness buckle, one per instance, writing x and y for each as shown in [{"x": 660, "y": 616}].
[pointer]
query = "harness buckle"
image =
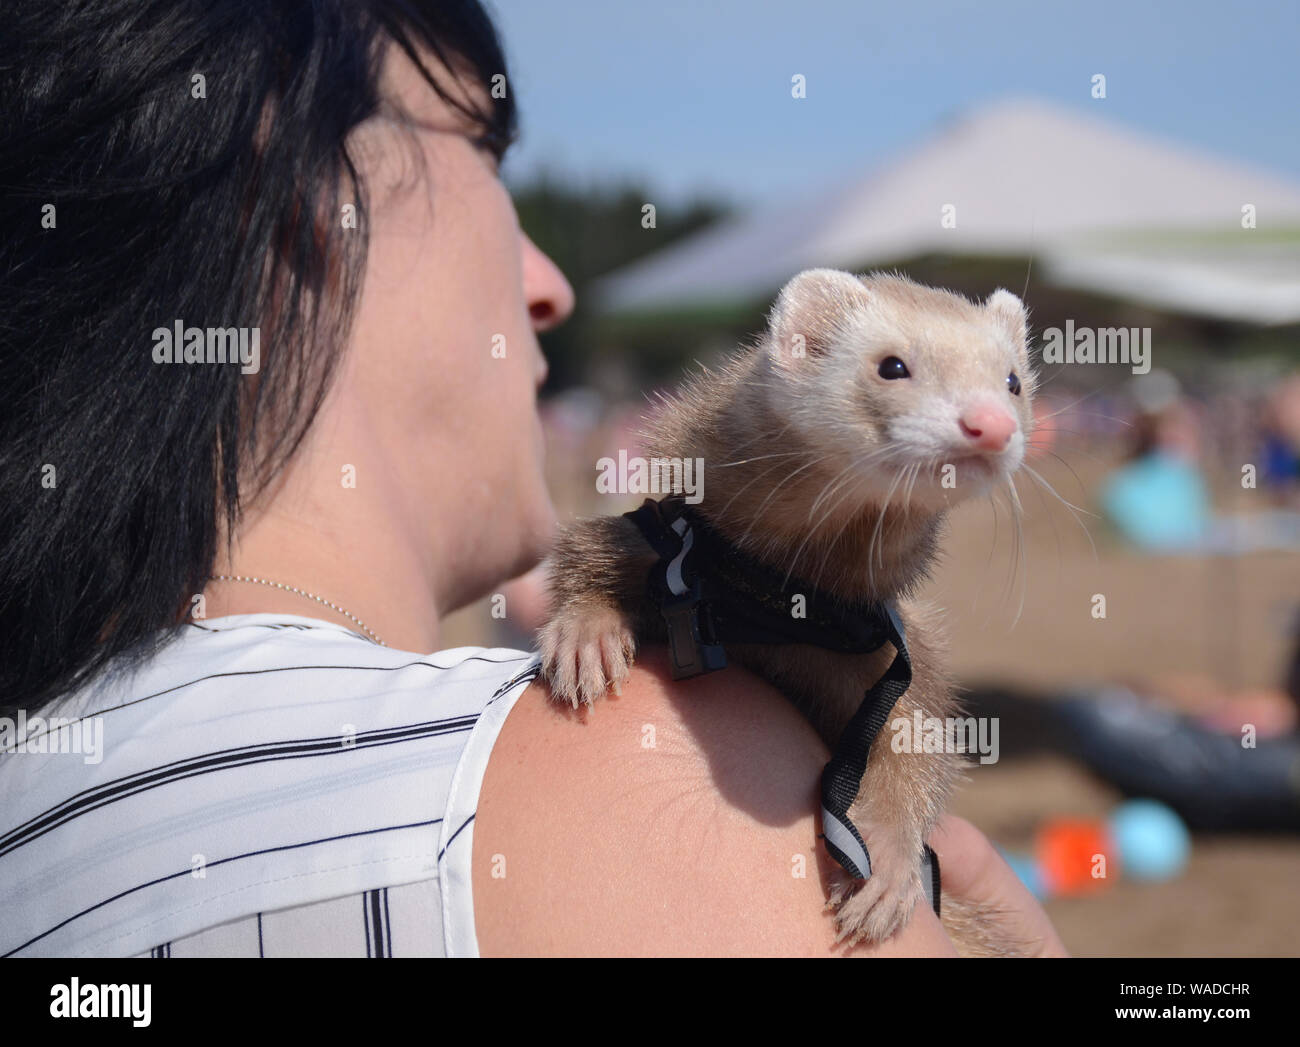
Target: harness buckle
[{"x": 690, "y": 639}]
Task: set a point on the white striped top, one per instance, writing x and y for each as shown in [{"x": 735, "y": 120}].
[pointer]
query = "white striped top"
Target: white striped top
[{"x": 268, "y": 785}]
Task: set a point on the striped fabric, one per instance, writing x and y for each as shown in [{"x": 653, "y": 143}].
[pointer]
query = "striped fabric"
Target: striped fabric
[
  {"x": 390, "y": 921},
  {"x": 268, "y": 785}
]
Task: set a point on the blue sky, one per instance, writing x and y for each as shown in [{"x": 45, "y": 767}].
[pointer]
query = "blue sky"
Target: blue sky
[{"x": 695, "y": 94}]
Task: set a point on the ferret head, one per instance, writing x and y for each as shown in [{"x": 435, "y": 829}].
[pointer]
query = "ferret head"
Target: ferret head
[{"x": 917, "y": 397}]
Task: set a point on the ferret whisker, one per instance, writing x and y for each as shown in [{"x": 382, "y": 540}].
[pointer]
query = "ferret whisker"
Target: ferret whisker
[
  {"x": 757, "y": 458},
  {"x": 758, "y": 515},
  {"x": 1054, "y": 429},
  {"x": 821, "y": 567},
  {"x": 848, "y": 490},
  {"x": 1082, "y": 488},
  {"x": 1075, "y": 403},
  {"x": 746, "y": 486},
  {"x": 993, "y": 504},
  {"x": 1020, "y": 564},
  {"x": 1074, "y": 450},
  {"x": 923, "y": 463},
  {"x": 1056, "y": 531},
  {"x": 1074, "y": 509},
  {"x": 928, "y": 467},
  {"x": 1089, "y": 414},
  {"x": 884, "y": 512},
  {"x": 1039, "y": 476},
  {"x": 1008, "y": 580},
  {"x": 844, "y": 487},
  {"x": 911, "y": 473},
  {"x": 835, "y": 483},
  {"x": 847, "y": 487},
  {"x": 840, "y": 479},
  {"x": 766, "y": 437},
  {"x": 872, "y": 548},
  {"x": 1042, "y": 378}
]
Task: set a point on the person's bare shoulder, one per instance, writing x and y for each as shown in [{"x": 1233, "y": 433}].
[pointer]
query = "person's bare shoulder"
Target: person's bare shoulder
[{"x": 678, "y": 819}]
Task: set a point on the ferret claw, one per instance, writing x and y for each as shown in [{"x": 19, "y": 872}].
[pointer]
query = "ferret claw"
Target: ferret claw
[
  {"x": 585, "y": 653},
  {"x": 884, "y": 902}
]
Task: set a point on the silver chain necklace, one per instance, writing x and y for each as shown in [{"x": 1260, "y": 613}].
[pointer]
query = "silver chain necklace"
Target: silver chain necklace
[{"x": 311, "y": 596}]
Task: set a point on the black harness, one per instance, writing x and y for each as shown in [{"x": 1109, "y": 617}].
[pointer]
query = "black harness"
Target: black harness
[{"x": 712, "y": 594}]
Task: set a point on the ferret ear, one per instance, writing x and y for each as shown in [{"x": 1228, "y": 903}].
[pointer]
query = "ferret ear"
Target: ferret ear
[
  {"x": 810, "y": 311},
  {"x": 1012, "y": 313}
]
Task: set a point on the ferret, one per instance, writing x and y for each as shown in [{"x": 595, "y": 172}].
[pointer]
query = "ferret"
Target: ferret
[{"x": 833, "y": 447}]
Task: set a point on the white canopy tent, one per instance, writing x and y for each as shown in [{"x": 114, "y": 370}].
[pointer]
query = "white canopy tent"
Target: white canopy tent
[{"x": 1098, "y": 207}]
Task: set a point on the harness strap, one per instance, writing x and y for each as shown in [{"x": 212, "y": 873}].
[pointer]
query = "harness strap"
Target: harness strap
[
  {"x": 710, "y": 593},
  {"x": 842, "y": 776}
]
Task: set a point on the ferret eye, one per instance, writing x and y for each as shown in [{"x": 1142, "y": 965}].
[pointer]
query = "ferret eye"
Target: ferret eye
[
  {"x": 1013, "y": 383},
  {"x": 892, "y": 367}
]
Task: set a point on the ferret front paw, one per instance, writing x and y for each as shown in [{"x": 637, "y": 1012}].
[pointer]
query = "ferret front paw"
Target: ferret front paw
[
  {"x": 585, "y": 652},
  {"x": 883, "y": 903}
]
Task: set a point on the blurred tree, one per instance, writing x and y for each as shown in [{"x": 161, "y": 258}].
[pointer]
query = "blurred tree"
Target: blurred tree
[{"x": 589, "y": 231}]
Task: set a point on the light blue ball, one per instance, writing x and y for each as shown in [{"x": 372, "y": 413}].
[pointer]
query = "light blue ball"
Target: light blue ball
[{"x": 1153, "y": 843}]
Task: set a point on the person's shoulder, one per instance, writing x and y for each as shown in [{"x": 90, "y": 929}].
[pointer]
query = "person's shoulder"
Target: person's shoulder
[{"x": 678, "y": 818}]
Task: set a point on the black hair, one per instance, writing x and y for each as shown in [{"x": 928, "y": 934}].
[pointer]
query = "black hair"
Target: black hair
[{"x": 136, "y": 196}]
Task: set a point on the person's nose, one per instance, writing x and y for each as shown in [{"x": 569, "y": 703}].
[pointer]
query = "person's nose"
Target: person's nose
[
  {"x": 549, "y": 296},
  {"x": 989, "y": 428}
]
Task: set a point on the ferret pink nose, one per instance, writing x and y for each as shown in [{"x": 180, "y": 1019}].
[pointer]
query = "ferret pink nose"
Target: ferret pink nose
[{"x": 988, "y": 427}]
